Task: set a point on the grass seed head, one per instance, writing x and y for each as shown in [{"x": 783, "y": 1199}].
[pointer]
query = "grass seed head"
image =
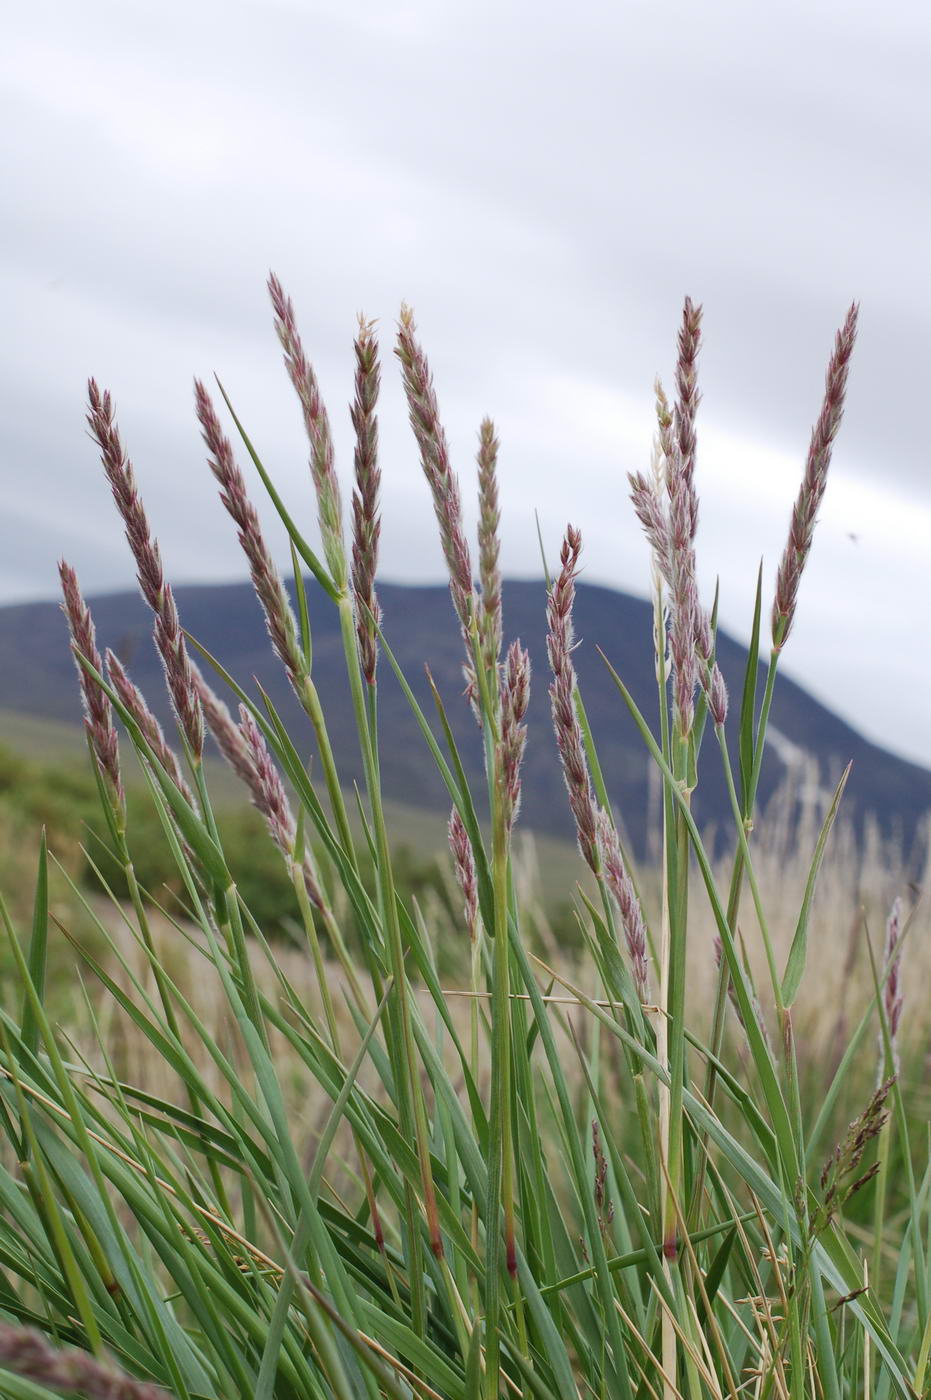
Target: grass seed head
[
  {"x": 366, "y": 523},
  {"x": 133, "y": 700},
  {"x": 515, "y": 697},
  {"x": 98, "y": 712},
  {"x": 464, "y": 865},
  {"x": 317, "y": 424},
  {"x": 489, "y": 546},
  {"x": 169, "y": 637},
  {"x": 892, "y": 991},
  {"x": 687, "y": 401},
  {"x": 814, "y": 481},
  {"x": 424, "y": 413},
  {"x": 266, "y": 580},
  {"x": 560, "y": 643},
  {"x": 27, "y": 1354},
  {"x": 618, "y": 880}
]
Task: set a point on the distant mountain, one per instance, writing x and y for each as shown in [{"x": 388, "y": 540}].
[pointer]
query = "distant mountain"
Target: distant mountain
[{"x": 37, "y": 677}]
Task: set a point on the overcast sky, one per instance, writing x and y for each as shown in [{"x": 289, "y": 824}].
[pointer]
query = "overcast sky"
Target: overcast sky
[{"x": 543, "y": 183}]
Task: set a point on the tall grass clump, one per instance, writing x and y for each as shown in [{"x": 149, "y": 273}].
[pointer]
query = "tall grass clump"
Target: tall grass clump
[{"x": 337, "y": 1175}]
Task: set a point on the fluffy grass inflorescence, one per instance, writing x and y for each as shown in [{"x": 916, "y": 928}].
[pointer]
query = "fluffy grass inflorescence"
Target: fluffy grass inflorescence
[{"x": 344, "y": 1168}]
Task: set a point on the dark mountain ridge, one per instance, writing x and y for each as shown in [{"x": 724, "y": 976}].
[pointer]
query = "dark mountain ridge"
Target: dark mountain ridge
[{"x": 37, "y": 677}]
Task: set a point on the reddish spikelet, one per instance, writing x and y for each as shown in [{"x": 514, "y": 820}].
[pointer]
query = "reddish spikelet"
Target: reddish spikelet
[
  {"x": 133, "y": 700},
  {"x": 434, "y": 456},
  {"x": 704, "y": 638},
  {"x": 569, "y": 741},
  {"x": 269, "y": 796},
  {"x": 168, "y": 635},
  {"x": 489, "y": 546},
  {"x": 266, "y": 580},
  {"x": 842, "y": 1175},
  {"x": 464, "y": 865},
  {"x": 27, "y": 1354},
  {"x": 247, "y": 754},
  {"x": 317, "y": 424},
  {"x": 98, "y": 712},
  {"x": 687, "y": 401},
  {"x": 715, "y": 693},
  {"x": 892, "y": 991},
  {"x": 651, "y": 513},
  {"x": 268, "y": 792},
  {"x": 226, "y": 732},
  {"x": 515, "y": 697},
  {"x": 814, "y": 481},
  {"x": 620, "y": 884},
  {"x": 366, "y": 525}
]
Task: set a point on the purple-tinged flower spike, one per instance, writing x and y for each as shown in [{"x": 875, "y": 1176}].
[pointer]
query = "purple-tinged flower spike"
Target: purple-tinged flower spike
[
  {"x": 515, "y": 697},
  {"x": 651, "y": 512},
  {"x": 685, "y": 613},
  {"x": 266, "y": 580},
  {"x": 464, "y": 864},
  {"x": 366, "y": 524},
  {"x": 226, "y": 732},
  {"x": 434, "y": 456},
  {"x": 559, "y": 645},
  {"x": 169, "y": 637},
  {"x": 489, "y": 547},
  {"x": 716, "y": 694},
  {"x": 668, "y": 456},
  {"x": 687, "y": 401},
  {"x": 98, "y": 712},
  {"x": 133, "y": 700},
  {"x": 269, "y": 796},
  {"x": 317, "y": 423},
  {"x": 892, "y": 991},
  {"x": 268, "y": 791},
  {"x": 622, "y": 889},
  {"x": 684, "y": 605},
  {"x": 814, "y": 481},
  {"x": 27, "y": 1354},
  {"x": 240, "y": 745},
  {"x": 704, "y": 638}
]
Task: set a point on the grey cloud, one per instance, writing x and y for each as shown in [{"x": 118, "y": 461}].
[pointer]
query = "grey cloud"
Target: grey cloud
[{"x": 544, "y": 185}]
